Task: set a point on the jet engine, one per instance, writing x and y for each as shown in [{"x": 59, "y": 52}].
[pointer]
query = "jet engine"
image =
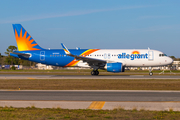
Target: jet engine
[{"x": 115, "y": 67}]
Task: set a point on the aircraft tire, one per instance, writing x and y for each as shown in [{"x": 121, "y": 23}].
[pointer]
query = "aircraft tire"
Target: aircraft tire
[
  {"x": 150, "y": 73},
  {"x": 93, "y": 72},
  {"x": 97, "y": 72}
]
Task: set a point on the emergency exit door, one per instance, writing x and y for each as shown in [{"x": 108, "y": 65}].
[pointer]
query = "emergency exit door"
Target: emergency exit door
[{"x": 42, "y": 55}]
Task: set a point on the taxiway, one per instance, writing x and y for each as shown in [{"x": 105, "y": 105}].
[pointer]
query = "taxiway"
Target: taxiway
[
  {"x": 87, "y": 77},
  {"x": 114, "y": 99},
  {"x": 91, "y": 95}
]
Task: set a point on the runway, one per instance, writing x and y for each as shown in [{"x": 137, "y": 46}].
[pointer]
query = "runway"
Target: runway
[
  {"x": 90, "y": 95},
  {"x": 87, "y": 77},
  {"x": 69, "y": 99}
]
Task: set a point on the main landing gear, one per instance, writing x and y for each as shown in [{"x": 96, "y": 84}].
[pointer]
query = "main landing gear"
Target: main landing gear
[
  {"x": 95, "y": 72},
  {"x": 150, "y": 71}
]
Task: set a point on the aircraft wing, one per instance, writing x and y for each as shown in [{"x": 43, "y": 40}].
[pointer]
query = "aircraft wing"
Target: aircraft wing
[{"x": 94, "y": 63}]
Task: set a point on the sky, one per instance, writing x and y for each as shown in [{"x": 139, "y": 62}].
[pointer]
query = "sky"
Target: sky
[{"x": 103, "y": 24}]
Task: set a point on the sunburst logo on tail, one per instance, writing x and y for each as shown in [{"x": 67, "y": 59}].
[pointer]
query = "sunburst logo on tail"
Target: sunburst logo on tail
[{"x": 25, "y": 42}]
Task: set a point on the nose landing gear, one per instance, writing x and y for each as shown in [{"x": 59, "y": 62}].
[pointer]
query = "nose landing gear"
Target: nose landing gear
[
  {"x": 95, "y": 72},
  {"x": 150, "y": 71}
]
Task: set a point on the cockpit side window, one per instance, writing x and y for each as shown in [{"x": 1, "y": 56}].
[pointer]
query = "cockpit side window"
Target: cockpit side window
[{"x": 161, "y": 55}]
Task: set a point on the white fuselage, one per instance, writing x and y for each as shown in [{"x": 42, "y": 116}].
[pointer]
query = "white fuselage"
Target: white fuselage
[{"x": 130, "y": 57}]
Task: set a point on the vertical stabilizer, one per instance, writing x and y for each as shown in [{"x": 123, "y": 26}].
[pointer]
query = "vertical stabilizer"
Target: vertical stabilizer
[{"x": 24, "y": 41}]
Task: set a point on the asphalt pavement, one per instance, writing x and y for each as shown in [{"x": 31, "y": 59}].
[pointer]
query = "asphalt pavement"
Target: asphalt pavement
[
  {"x": 2, "y": 77},
  {"x": 88, "y": 95}
]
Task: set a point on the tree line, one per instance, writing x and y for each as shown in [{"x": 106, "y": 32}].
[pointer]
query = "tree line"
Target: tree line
[{"x": 9, "y": 60}]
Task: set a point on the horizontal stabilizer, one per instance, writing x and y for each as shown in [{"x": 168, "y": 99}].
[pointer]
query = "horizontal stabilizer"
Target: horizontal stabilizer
[{"x": 21, "y": 54}]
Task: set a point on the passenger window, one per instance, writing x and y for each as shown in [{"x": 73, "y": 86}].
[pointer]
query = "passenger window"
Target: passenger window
[{"x": 159, "y": 55}]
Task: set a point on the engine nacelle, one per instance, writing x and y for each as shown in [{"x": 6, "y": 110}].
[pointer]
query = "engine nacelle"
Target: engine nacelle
[{"x": 115, "y": 67}]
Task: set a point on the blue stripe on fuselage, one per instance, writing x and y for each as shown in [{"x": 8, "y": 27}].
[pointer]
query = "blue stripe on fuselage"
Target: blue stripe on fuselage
[{"x": 56, "y": 57}]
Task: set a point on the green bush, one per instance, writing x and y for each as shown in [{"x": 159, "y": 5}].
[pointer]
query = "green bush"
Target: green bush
[{"x": 13, "y": 68}]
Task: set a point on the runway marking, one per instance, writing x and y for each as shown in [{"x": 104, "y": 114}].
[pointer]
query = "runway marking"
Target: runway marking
[{"x": 96, "y": 105}]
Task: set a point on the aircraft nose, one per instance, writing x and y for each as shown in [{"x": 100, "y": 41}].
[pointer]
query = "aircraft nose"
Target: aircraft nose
[{"x": 170, "y": 60}]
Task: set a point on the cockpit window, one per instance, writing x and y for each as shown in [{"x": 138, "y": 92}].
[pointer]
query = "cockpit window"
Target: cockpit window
[{"x": 161, "y": 55}]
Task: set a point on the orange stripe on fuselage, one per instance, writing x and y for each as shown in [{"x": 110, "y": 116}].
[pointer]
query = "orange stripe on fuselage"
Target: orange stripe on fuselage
[
  {"x": 72, "y": 63},
  {"x": 87, "y": 52}
]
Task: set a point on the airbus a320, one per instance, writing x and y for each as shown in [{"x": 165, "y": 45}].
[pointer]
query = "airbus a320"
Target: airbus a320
[{"x": 112, "y": 60}]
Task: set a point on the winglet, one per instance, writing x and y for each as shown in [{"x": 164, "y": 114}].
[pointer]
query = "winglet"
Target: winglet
[{"x": 65, "y": 49}]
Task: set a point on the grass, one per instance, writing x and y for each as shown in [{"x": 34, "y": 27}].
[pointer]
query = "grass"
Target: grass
[
  {"x": 90, "y": 84},
  {"x": 84, "y": 114}
]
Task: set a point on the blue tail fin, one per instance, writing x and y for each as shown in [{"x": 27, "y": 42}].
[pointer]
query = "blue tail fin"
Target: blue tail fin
[{"x": 24, "y": 40}]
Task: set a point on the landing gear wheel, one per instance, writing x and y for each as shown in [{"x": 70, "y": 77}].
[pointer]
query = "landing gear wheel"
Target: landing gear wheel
[
  {"x": 97, "y": 72},
  {"x": 150, "y": 73},
  {"x": 94, "y": 72}
]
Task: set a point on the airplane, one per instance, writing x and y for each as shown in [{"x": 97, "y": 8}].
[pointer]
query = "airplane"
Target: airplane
[{"x": 112, "y": 60}]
